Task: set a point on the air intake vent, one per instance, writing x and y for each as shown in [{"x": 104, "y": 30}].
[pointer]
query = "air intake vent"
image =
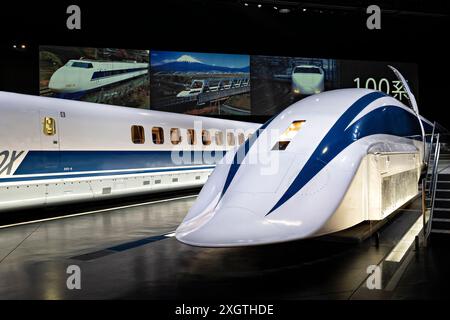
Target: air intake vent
[{"x": 106, "y": 190}]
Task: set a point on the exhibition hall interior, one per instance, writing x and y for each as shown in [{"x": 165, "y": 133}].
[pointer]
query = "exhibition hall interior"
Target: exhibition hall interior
[{"x": 232, "y": 150}]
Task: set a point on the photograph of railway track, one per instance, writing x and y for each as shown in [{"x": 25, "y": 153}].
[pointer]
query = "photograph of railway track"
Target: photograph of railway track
[
  {"x": 101, "y": 75},
  {"x": 277, "y": 82},
  {"x": 200, "y": 83}
]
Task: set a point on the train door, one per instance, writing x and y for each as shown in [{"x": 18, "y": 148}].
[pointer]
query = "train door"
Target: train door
[{"x": 49, "y": 140}]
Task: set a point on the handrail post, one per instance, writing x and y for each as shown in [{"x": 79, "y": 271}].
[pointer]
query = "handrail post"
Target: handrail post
[
  {"x": 433, "y": 187},
  {"x": 424, "y": 210}
]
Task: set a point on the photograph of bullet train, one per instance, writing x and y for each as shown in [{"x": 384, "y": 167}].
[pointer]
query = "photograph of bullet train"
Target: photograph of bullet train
[
  {"x": 83, "y": 76},
  {"x": 307, "y": 80},
  {"x": 62, "y": 151},
  {"x": 338, "y": 158},
  {"x": 112, "y": 76},
  {"x": 200, "y": 83},
  {"x": 203, "y": 86},
  {"x": 279, "y": 81}
]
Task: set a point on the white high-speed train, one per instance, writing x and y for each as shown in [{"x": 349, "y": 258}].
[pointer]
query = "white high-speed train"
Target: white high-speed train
[
  {"x": 307, "y": 80},
  {"x": 81, "y": 76},
  {"x": 324, "y": 164},
  {"x": 56, "y": 151},
  {"x": 212, "y": 85}
]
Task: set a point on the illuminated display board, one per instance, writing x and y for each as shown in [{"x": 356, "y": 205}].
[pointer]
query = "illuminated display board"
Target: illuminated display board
[
  {"x": 207, "y": 83},
  {"x": 200, "y": 83},
  {"x": 277, "y": 82},
  {"x": 102, "y": 75}
]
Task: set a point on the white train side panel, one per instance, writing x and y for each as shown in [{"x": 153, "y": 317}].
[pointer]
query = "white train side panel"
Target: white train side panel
[{"x": 91, "y": 155}]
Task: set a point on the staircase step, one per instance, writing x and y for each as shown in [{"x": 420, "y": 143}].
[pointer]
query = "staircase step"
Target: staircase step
[
  {"x": 444, "y": 177},
  {"x": 443, "y": 185},
  {"x": 440, "y": 237},
  {"x": 440, "y": 224},
  {"x": 441, "y": 203},
  {"x": 440, "y": 231},
  {"x": 442, "y": 193},
  {"x": 441, "y": 214}
]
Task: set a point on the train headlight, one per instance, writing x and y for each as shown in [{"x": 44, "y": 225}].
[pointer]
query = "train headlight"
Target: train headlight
[
  {"x": 288, "y": 135},
  {"x": 297, "y": 91}
]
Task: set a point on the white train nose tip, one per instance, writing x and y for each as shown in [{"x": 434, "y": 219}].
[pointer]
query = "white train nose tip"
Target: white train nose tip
[{"x": 228, "y": 227}]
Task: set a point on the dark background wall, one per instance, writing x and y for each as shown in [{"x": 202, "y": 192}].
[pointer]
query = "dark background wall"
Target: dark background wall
[{"x": 413, "y": 31}]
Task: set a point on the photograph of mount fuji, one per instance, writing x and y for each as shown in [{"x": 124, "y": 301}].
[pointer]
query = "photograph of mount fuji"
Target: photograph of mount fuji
[{"x": 200, "y": 83}]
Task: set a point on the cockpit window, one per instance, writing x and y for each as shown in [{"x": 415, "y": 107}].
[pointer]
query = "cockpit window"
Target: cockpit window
[
  {"x": 307, "y": 70},
  {"x": 85, "y": 65},
  {"x": 288, "y": 135},
  {"x": 196, "y": 85}
]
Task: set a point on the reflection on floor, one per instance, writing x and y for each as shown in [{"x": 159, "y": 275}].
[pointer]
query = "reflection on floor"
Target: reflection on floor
[{"x": 129, "y": 253}]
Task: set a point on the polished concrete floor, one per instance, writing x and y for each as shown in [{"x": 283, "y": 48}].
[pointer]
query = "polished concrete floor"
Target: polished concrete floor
[
  {"x": 123, "y": 254},
  {"x": 129, "y": 253}
]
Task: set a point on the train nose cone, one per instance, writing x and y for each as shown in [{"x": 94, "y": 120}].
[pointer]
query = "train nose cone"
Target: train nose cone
[
  {"x": 56, "y": 82},
  {"x": 227, "y": 227}
]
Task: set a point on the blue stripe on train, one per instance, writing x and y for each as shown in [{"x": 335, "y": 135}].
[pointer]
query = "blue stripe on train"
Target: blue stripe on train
[
  {"x": 245, "y": 148},
  {"x": 41, "y": 162},
  {"x": 102, "y": 174},
  {"x": 390, "y": 120}
]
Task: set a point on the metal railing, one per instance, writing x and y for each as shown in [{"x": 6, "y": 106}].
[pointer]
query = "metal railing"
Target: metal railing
[
  {"x": 431, "y": 143},
  {"x": 432, "y": 185}
]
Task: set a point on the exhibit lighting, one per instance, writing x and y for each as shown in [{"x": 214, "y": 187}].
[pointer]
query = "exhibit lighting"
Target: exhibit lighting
[
  {"x": 292, "y": 130},
  {"x": 402, "y": 247}
]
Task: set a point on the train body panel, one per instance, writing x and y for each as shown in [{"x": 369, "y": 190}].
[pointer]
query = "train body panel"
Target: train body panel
[
  {"x": 90, "y": 152},
  {"x": 312, "y": 159}
]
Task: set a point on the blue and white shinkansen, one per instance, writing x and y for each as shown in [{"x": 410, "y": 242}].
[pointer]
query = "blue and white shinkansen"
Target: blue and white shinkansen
[
  {"x": 324, "y": 164},
  {"x": 56, "y": 151},
  {"x": 80, "y": 76},
  {"x": 212, "y": 85}
]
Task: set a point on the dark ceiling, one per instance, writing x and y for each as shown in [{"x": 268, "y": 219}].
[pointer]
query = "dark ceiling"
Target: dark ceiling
[{"x": 411, "y": 7}]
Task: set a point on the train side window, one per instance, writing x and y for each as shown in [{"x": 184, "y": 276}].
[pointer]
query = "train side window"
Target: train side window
[
  {"x": 219, "y": 138},
  {"x": 137, "y": 134},
  {"x": 241, "y": 138},
  {"x": 175, "y": 136},
  {"x": 158, "y": 135},
  {"x": 191, "y": 136},
  {"x": 231, "y": 140},
  {"x": 206, "y": 138},
  {"x": 49, "y": 126}
]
